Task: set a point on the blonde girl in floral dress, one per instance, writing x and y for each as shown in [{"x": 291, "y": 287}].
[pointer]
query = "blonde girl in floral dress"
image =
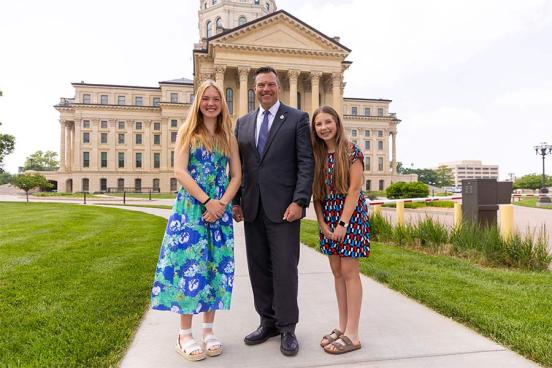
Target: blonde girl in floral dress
[{"x": 195, "y": 271}]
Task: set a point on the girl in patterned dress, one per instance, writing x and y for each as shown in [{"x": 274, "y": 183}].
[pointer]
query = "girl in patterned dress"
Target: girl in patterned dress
[
  {"x": 342, "y": 214},
  {"x": 195, "y": 271}
]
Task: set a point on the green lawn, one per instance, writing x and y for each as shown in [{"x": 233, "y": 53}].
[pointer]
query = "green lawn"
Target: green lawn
[
  {"x": 513, "y": 308},
  {"x": 62, "y": 195},
  {"x": 162, "y": 206},
  {"x": 530, "y": 202},
  {"x": 74, "y": 282}
]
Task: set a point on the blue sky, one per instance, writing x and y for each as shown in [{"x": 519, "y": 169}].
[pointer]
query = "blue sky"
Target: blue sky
[{"x": 469, "y": 79}]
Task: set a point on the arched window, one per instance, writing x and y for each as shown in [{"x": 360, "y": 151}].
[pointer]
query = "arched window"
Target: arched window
[
  {"x": 209, "y": 28},
  {"x": 250, "y": 100},
  {"x": 103, "y": 184},
  {"x": 138, "y": 185},
  {"x": 242, "y": 20},
  {"x": 219, "y": 26},
  {"x": 230, "y": 100}
]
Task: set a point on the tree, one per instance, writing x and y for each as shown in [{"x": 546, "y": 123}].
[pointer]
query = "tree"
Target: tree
[
  {"x": 531, "y": 181},
  {"x": 5, "y": 178},
  {"x": 7, "y": 145},
  {"x": 28, "y": 182},
  {"x": 444, "y": 176},
  {"x": 42, "y": 161}
]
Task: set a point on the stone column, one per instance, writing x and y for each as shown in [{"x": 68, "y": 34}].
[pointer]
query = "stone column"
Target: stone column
[
  {"x": 62, "y": 146},
  {"x": 315, "y": 90},
  {"x": 293, "y": 77},
  {"x": 204, "y": 76},
  {"x": 336, "y": 92},
  {"x": 219, "y": 76},
  {"x": 244, "y": 78},
  {"x": 394, "y": 152},
  {"x": 76, "y": 140}
]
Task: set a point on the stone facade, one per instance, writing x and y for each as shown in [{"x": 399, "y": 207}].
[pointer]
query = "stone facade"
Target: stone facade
[{"x": 250, "y": 34}]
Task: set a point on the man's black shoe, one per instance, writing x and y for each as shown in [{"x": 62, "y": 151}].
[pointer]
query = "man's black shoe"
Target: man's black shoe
[
  {"x": 260, "y": 335},
  {"x": 289, "y": 345}
]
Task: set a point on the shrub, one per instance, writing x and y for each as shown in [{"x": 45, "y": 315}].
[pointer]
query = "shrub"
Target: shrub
[
  {"x": 381, "y": 229},
  {"x": 432, "y": 233},
  {"x": 401, "y": 189}
]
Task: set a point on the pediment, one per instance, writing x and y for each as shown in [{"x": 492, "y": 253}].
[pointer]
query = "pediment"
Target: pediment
[{"x": 279, "y": 31}]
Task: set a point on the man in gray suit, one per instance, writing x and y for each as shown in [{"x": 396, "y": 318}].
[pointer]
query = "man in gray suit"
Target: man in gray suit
[{"x": 277, "y": 166}]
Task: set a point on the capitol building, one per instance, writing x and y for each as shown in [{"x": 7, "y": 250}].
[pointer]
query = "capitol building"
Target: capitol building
[{"x": 122, "y": 137}]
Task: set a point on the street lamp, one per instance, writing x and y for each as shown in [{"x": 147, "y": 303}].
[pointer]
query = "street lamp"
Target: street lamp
[{"x": 543, "y": 149}]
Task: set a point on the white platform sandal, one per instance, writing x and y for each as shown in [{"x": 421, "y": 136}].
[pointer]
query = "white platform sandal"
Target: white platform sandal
[
  {"x": 191, "y": 350},
  {"x": 213, "y": 346}
]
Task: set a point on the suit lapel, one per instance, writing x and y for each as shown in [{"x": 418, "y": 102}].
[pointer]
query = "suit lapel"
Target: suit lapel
[
  {"x": 279, "y": 120},
  {"x": 251, "y": 129}
]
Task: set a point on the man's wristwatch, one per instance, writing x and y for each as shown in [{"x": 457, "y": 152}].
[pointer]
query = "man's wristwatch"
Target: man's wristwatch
[{"x": 342, "y": 223}]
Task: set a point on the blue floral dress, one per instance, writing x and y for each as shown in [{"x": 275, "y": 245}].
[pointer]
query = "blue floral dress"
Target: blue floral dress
[{"x": 195, "y": 271}]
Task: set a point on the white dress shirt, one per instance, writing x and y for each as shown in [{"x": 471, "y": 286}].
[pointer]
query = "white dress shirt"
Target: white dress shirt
[{"x": 260, "y": 116}]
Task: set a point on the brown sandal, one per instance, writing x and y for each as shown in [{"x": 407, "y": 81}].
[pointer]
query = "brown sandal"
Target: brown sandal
[
  {"x": 331, "y": 337},
  {"x": 341, "y": 346}
]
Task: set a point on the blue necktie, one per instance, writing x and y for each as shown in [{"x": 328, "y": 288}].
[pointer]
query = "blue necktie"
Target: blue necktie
[{"x": 263, "y": 133}]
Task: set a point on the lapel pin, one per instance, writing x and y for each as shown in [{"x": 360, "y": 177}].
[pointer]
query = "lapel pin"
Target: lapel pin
[{"x": 281, "y": 117}]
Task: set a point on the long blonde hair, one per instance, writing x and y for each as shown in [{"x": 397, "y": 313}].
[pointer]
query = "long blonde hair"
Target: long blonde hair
[
  {"x": 342, "y": 154},
  {"x": 193, "y": 132}
]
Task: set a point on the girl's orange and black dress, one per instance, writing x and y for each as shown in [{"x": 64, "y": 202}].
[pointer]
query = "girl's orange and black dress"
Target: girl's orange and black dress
[{"x": 357, "y": 238}]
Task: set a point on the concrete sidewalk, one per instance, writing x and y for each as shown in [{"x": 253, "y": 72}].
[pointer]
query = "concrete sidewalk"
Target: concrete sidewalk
[{"x": 395, "y": 330}]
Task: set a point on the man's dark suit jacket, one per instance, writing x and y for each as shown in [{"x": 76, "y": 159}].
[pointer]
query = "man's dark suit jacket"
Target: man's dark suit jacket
[{"x": 284, "y": 173}]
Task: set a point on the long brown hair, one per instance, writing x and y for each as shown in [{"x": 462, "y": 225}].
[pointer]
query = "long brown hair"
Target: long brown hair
[
  {"x": 341, "y": 157},
  {"x": 193, "y": 131}
]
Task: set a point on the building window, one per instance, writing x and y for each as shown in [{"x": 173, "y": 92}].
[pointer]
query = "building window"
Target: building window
[
  {"x": 121, "y": 125},
  {"x": 257, "y": 2},
  {"x": 213, "y": 2},
  {"x": 250, "y": 100},
  {"x": 367, "y": 164},
  {"x": 138, "y": 139},
  {"x": 172, "y": 158},
  {"x": 138, "y": 101},
  {"x": 103, "y": 159},
  {"x": 138, "y": 185},
  {"x": 218, "y": 24},
  {"x": 209, "y": 28},
  {"x": 173, "y": 184},
  {"x": 156, "y": 160},
  {"x": 138, "y": 125},
  {"x": 104, "y": 99},
  {"x": 173, "y": 137},
  {"x": 138, "y": 160},
  {"x": 103, "y": 138},
  {"x": 242, "y": 20},
  {"x": 174, "y": 97},
  {"x": 353, "y": 133},
  {"x": 103, "y": 124},
  {"x": 381, "y": 184},
  {"x": 85, "y": 184},
  {"x": 86, "y": 124},
  {"x": 85, "y": 137},
  {"x": 367, "y": 145},
  {"x": 156, "y": 101},
  {"x": 103, "y": 184},
  {"x": 174, "y": 123},
  {"x": 380, "y": 133},
  {"x": 156, "y": 126},
  {"x": 86, "y": 98},
  {"x": 380, "y": 111},
  {"x": 156, "y": 185},
  {"x": 121, "y": 138},
  {"x": 157, "y": 139},
  {"x": 120, "y": 184},
  {"x": 368, "y": 185},
  {"x": 366, "y": 111},
  {"x": 121, "y": 100},
  {"x": 380, "y": 163},
  {"x": 353, "y": 110},
  {"x": 380, "y": 145},
  {"x": 367, "y": 133},
  {"x": 230, "y": 100},
  {"x": 267, "y": 6},
  {"x": 86, "y": 159},
  {"x": 121, "y": 159}
]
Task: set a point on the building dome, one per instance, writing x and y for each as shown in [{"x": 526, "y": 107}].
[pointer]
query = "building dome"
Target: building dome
[{"x": 217, "y": 16}]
